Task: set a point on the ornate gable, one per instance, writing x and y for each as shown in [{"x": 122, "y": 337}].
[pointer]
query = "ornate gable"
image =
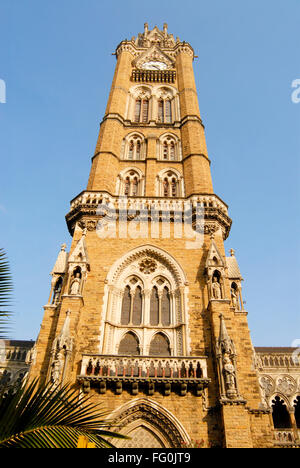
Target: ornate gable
[
  {"x": 153, "y": 54},
  {"x": 79, "y": 254},
  {"x": 214, "y": 258}
]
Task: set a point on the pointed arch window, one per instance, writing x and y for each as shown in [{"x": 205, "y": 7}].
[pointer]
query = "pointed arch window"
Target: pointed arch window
[
  {"x": 133, "y": 147},
  {"x": 169, "y": 148},
  {"x": 129, "y": 345},
  {"x": 170, "y": 185},
  {"x": 130, "y": 183},
  {"x": 160, "y": 346},
  {"x": 281, "y": 417}
]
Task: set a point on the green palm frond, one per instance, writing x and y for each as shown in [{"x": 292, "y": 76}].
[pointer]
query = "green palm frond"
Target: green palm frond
[
  {"x": 5, "y": 294},
  {"x": 46, "y": 416}
]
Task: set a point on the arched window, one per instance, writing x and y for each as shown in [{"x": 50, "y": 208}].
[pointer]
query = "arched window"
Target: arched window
[
  {"x": 129, "y": 345},
  {"x": 160, "y": 346},
  {"x": 130, "y": 183},
  {"x": 169, "y": 183},
  {"x": 281, "y": 417},
  {"x": 142, "y": 300},
  {"x": 169, "y": 148},
  {"x": 133, "y": 147}
]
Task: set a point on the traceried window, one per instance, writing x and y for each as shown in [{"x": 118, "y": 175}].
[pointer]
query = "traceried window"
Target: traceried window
[
  {"x": 160, "y": 345},
  {"x": 145, "y": 297},
  {"x": 133, "y": 147},
  {"x": 168, "y": 148},
  {"x": 281, "y": 417},
  {"x": 129, "y": 345},
  {"x": 130, "y": 183},
  {"x": 169, "y": 183}
]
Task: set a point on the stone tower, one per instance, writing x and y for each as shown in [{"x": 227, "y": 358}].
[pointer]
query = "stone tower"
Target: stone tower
[{"x": 145, "y": 311}]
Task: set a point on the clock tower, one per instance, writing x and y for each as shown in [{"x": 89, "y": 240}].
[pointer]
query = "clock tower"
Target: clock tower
[{"x": 146, "y": 312}]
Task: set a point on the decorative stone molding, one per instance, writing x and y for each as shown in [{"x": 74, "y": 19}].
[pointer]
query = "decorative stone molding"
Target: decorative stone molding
[{"x": 141, "y": 412}]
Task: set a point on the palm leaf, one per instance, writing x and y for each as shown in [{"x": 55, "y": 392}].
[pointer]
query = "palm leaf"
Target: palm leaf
[
  {"x": 46, "y": 416},
  {"x": 5, "y": 294}
]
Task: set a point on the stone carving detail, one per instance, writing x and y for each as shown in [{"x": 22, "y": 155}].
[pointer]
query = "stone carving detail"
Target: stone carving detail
[
  {"x": 226, "y": 355},
  {"x": 152, "y": 417},
  {"x": 147, "y": 266},
  {"x": 234, "y": 298},
  {"x": 143, "y": 438},
  {"x": 216, "y": 289},
  {"x": 61, "y": 349},
  {"x": 286, "y": 385},
  {"x": 267, "y": 387},
  {"x": 75, "y": 285}
]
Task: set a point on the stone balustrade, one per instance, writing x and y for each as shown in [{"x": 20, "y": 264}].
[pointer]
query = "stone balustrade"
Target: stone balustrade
[
  {"x": 277, "y": 360},
  {"x": 144, "y": 372},
  {"x": 99, "y": 199},
  {"x": 284, "y": 436}
]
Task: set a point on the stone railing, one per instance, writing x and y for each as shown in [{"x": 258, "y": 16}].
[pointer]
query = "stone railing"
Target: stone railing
[
  {"x": 93, "y": 206},
  {"x": 145, "y": 203},
  {"x": 144, "y": 373},
  {"x": 275, "y": 360},
  {"x": 285, "y": 437}
]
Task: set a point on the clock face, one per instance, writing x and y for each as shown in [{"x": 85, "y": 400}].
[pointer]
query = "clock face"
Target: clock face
[{"x": 154, "y": 65}]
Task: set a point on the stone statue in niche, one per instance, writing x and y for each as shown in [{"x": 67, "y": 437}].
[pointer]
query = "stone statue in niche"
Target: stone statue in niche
[
  {"x": 229, "y": 377},
  {"x": 75, "y": 285},
  {"x": 57, "y": 291},
  {"x": 233, "y": 298},
  {"x": 57, "y": 367},
  {"x": 216, "y": 288}
]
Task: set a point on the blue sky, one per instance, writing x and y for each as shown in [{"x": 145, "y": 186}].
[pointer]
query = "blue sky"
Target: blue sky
[{"x": 56, "y": 61}]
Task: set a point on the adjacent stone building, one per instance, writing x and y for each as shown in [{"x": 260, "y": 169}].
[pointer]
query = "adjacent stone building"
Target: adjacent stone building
[
  {"x": 15, "y": 358},
  {"x": 146, "y": 311}
]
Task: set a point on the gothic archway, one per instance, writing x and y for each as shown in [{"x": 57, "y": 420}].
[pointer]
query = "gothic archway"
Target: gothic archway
[{"x": 148, "y": 425}]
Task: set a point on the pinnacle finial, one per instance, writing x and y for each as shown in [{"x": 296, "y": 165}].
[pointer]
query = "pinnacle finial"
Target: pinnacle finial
[
  {"x": 63, "y": 247},
  {"x": 165, "y": 28},
  {"x": 232, "y": 252},
  {"x": 145, "y": 28}
]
